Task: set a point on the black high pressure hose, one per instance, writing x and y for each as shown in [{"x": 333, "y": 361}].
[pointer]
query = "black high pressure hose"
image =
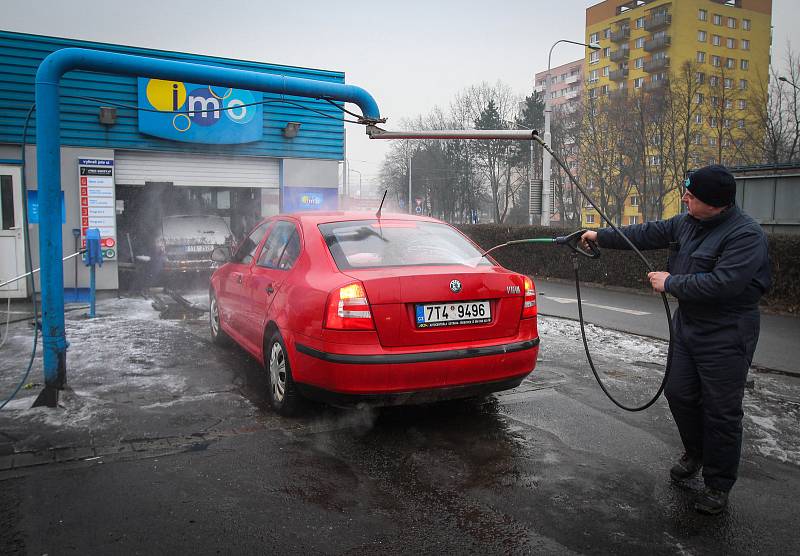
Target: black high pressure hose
[{"x": 578, "y": 291}]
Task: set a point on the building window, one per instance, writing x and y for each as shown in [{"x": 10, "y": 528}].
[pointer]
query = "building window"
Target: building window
[
  {"x": 726, "y": 123},
  {"x": 698, "y": 139},
  {"x": 716, "y": 61},
  {"x": 742, "y": 104},
  {"x": 702, "y": 15},
  {"x": 745, "y": 44},
  {"x": 730, "y": 42},
  {"x": 606, "y": 33},
  {"x": 590, "y": 218},
  {"x": 717, "y": 19},
  {"x": 714, "y": 101},
  {"x": 604, "y": 90},
  {"x": 607, "y": 52},
  {"x": 698, "y": 119},
  {"x": 640, "y": 22},
  {"x": 730, "y": 63},
  {"x": 592, "y": 93},
  {"x": 701, "y": 36},
  {"x": 699, "y": 77},
  {"x": 633, "y": 220},
  {"x": 712, "y": 141},
  {"x": 732, "y": 23},
  {"x": 698, "y": 98},
  {"x": 744, "y": 64},
  {"x": 746, "y": 24},
  {"x": 634, "y": 200},
  {"x": 743, "y": 84},
  {"x": 638, "y": 63},
  {"x": 655, "y": 160},
  {"x": 712, "y": 121},
  {"x": 728, "y": 83},
  {"x": 593, "y": 37},
  {"x": 639, "y": 43},
  {"x": 726, "y": 142},
  {"x": 638, "y": 82},
  {"x": 713, "y": 81},
  {"x": 701, "y": 57},
  {"x": 593, "y": 76},
  {"x": 594, "y": 57},
  {"x": 716, "y": 40},
  {"x": 728, "y": 103},
  {"x": 740, "y": 124},
  {"x": 605, "y": 71}
]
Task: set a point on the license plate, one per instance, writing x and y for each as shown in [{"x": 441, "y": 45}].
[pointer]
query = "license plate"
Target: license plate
[
  {"x": 197, "y": 248},
  {"x": 434, "y": 315}
]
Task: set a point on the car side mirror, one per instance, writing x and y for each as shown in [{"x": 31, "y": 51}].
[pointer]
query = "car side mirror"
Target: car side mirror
[{"x": 221, "y": 255}]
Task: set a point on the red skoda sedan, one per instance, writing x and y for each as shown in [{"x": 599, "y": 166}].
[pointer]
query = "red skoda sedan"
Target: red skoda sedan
[{"x": 343, "y": 307}]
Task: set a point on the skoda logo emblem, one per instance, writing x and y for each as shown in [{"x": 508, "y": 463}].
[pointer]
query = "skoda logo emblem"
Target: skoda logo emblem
[{"x": 455, "y": 286}]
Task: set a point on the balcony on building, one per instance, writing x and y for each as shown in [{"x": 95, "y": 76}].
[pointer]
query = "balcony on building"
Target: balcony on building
[
  {"x": 618, "y": 93},
  {"x": 655, "y": 85},
  {"x": 569, "y": 95},
  {"x": 572, "y": 79},
  {"x": 622, "y": 34},
  {"x": 657, "y": 44},
  {"x": 657, "y": 21},
  {"x": 620, "y": 54},
  {"x": 539, "y": 89},
  {"x": 618, "y": 75},
  {"x": 655, "y": 65}
]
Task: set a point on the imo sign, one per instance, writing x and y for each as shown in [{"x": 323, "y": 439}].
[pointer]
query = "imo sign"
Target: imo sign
[{"x": 199, "y": 113}]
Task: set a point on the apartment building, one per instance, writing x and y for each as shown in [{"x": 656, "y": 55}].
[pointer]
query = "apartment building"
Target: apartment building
[{"x": 643, "y": 41}]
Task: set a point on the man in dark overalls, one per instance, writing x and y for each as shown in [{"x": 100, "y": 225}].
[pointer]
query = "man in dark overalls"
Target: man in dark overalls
[{"x": 718, "y": 270}]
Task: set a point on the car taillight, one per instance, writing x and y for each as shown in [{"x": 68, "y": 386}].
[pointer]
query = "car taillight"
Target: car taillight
[
  {"x": 529, "y": 305},
  {"x": 348, "y": 309}
]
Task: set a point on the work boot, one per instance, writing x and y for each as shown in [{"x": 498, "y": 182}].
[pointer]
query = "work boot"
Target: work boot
[
  {"x": 711, "y": 501},
  {"x": 686, "y": 468}
]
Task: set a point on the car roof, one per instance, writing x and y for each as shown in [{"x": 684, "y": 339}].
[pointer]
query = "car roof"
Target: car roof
[{"x": 322, "y": 217}]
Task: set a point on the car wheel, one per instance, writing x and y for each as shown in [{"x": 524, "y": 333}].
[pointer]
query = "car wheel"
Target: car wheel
[
  {"x": 282, "y": 392},
  {"x": 218, "y": 335}
]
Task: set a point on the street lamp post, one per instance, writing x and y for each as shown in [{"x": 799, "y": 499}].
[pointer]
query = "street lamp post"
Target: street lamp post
[
  {"x": 359, "y": 180},
  {"x": 545, "y": 220}
]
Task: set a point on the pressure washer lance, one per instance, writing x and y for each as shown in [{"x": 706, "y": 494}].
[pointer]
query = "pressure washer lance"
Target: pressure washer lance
[
  {"x": 35, "y": 270},
  {"x": 573, "y": 241}
]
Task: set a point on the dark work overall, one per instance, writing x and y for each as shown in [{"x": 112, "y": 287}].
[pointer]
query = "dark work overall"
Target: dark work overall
[{"x": 719, "y": 269}]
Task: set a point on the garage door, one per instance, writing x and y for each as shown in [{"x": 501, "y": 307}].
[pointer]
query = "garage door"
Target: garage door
[{"x": 140, "y": 167}]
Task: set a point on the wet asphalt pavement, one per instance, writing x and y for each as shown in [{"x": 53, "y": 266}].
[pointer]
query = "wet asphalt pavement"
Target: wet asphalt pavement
[{"x": 165, "y": 444}]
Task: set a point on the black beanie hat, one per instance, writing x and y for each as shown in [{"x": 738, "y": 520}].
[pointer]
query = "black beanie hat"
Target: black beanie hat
[{"x": 714, "y": 185}]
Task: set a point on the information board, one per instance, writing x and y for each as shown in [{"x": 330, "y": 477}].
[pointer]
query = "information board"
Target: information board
[{"x": 98, "y": 203}]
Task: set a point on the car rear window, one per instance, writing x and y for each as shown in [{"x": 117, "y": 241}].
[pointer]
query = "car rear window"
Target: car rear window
[{"x": 376, "y": 244}]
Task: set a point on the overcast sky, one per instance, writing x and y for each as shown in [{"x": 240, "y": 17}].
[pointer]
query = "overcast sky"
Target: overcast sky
[{"x": 410, "y": 55}]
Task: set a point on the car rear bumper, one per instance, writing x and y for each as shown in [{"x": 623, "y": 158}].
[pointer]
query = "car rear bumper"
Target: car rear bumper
[
  {"x": 398, "y": 375},
  {"x": 417, "y": 397}
]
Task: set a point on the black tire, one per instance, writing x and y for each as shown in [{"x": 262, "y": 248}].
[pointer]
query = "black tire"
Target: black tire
[
  {"x": 281, "y": 390},
  {"x": 218, "y": 335}
]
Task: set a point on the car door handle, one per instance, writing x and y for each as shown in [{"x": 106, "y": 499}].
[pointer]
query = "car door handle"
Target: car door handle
[
  {"x": 238, "y": 278},
  {"x": 270, "y": 289}
]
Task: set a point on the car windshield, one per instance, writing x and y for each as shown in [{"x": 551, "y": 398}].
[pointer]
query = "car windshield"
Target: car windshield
[{"x": 375, "y": 244}]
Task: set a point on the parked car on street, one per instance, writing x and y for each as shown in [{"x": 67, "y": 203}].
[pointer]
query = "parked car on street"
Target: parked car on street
[
  {"x": 346, "y": 307},
  {"x": 185, "y": 242}
]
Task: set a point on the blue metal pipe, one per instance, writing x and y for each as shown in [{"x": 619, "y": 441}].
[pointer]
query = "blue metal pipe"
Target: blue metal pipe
[{"x": 48, "y": 155}]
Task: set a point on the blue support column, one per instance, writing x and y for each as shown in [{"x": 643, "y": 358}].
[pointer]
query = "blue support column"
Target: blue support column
[{"x": 48, "y": 153}]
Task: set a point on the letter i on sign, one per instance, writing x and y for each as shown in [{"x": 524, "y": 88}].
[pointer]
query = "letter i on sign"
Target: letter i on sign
[{"x": 175, "y": 96}]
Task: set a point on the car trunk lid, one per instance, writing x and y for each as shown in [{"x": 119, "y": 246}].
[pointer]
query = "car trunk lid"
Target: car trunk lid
[{"x": 395, "y": 293}]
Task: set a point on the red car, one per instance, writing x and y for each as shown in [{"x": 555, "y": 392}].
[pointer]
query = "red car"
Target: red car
[{"x": 343, "y": 306}]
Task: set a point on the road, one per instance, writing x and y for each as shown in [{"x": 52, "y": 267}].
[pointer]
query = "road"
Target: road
[
  {"x": 642, "y": 313},
  {"x": 163, "y": 443}
]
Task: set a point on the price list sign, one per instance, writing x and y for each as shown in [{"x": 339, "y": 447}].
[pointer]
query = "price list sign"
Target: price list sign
[{"x": 96, "y": 179}]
